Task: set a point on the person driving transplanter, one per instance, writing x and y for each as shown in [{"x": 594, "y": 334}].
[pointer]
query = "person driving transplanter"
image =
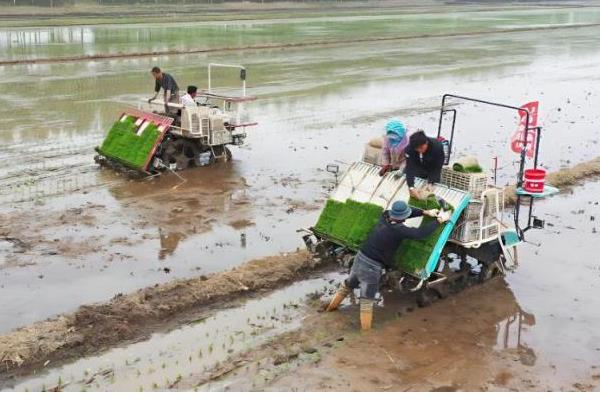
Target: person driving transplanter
[{"x": 167, "y": 83}]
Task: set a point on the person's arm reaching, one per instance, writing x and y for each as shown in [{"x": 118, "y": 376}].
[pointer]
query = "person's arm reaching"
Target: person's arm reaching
[
  {"x": 386, "y": 159},
  {"x": 156, "y": 91},
  {"x": 416, "y": 212},
  {"x": 418, "y": 233}
]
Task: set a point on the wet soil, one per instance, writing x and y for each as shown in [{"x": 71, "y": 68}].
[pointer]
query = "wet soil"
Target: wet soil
[
  {"x": 450, "y": 346},
  {"x": 197, "y": 345},
  {"x": 72, "y": 233},
  {"x": 126, "y": 317},
  {"x": 522, "y": 332}
]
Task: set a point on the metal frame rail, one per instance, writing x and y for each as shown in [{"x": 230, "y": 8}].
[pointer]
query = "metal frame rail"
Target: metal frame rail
[{"x": 523, "y": 154}]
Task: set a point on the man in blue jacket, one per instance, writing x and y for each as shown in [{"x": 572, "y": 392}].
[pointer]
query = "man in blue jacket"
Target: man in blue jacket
[{"x": 378, "y": 252}]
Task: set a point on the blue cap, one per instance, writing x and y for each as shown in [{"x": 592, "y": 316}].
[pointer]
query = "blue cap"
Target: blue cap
[
  {"x": 400, "y": 210},
  {"x": 396, "y": 127}
]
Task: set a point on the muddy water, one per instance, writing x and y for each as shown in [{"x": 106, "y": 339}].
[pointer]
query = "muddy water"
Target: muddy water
[
  {"x": 558, "y": 283},
  {"x": 193, "y": 350},
  {"x": 49, "y": 42},
  {"x": 535, "y": 330},
  {"x": 90, "y": 235}
]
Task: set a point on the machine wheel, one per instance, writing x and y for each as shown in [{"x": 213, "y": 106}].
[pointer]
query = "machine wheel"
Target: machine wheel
[
  {"x": 427, "y": 296},
  {"x": 323, "y": 249},
  {"x": 489, "y": 271},
  {"x": 182, "y": 152},
  {"x": 218, "y": 151},
  {"x": 347, "y": 260}
]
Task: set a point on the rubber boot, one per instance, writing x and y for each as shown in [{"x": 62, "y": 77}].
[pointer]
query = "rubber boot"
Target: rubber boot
[
  {"x": 340, "y": 295},
  {"x": 366, "y": 313}
]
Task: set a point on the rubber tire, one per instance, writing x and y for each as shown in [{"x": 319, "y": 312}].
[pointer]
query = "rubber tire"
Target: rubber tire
[
  {"x": 228, "y": 156},
  {"x": 488, "y": 271},
  {"x": 179, "y": 145},
  {"x": 426, "y": 297}
]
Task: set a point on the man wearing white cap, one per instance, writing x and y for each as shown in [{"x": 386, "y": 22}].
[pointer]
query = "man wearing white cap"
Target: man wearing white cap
[{"x": 378, "y": 252}]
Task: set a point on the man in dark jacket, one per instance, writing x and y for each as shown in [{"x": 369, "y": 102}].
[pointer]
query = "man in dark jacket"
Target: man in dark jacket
[
  {"x": 424, "y": 159},
  {"x": 168, "y": 85},
  {"x": 378, "y": 252}
]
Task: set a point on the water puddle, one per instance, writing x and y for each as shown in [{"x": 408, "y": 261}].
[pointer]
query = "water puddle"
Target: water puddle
[{"x": 164, "y": 359}]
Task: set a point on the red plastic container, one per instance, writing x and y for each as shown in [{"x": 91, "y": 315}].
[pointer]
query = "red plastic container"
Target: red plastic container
[{"x": 533, "y": 180}]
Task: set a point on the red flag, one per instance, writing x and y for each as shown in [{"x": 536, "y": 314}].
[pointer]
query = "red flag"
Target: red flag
[{"x": 517, "y": 142}]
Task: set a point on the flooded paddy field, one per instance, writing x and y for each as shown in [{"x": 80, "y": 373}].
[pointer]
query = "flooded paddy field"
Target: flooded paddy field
[
  {"x": 194, "y": 350},
  {"x": 72, "y": 233},
  {"x": 535, "y": 330},
  {"x": 55, "y": 43}
]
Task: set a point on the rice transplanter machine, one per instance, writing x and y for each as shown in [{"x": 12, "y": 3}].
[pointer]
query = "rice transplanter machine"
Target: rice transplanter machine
[{"x": 476, "y": 244}]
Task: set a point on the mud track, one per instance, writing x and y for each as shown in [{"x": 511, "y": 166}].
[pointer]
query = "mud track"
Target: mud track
[
  {"x": 94, "y": 328},
  {"x": 126, "y": 318},
  {"x": 283, "y": 46}
]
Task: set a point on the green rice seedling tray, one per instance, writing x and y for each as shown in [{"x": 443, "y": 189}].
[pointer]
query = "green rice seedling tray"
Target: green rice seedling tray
[
  {"x": 124, "y": 145},
  {"x": 345, "y": 220},
  {"x": 412, "y": 255},
  {"x": 348, "y": 223},
  {"x": 351, "y": 222},
  {"x": 328, "y": 216},
  {"x": 471, "y": 169},
  {"x": 365, "y": 220}
]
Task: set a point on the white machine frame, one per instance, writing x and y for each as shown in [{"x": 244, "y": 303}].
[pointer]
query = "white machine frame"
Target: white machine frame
[{"x": 218, "y": 120}]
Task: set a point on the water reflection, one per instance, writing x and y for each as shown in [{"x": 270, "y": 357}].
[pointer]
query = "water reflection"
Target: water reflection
[
  {"x": 48, "y": 42},
  {"x": 177, "y": 210},
  {"x": 38, "y": 37},
  {"x": 168, "y": 242},
  {"x": 166, "y": 358},
  {"x": 513, "y": 325},
  {"x": 510, "y": 329}
]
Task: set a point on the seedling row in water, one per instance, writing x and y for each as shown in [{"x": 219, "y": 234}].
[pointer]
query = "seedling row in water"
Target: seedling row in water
[{"x": 165, "y": 368}]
